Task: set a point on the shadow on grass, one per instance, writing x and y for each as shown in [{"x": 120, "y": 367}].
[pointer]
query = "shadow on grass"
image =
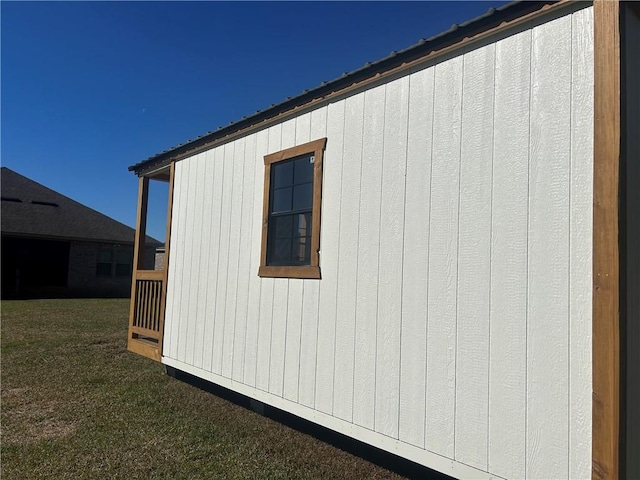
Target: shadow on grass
[{"x": 384, "y": 459}]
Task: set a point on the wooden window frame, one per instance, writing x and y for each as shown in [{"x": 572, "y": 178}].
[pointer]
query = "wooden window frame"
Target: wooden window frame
[{"x": 315, "y": 148}]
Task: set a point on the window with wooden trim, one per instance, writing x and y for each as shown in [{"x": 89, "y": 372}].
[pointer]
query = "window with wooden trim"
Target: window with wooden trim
[{"x": 291, "y": 212}]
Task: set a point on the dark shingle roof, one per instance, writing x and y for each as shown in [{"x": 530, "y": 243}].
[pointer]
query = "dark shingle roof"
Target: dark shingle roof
[
  {"x": 31, "y": 209},
  {"x": 492, "y": 18}
]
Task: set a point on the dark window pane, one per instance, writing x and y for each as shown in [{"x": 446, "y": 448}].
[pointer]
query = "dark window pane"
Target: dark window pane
[
  {"x": 281, "y": 200},
  {"x": 103, "y": 269},
  {"x": 104, "y": 256},
  {"x": 303, "y": 170},
  {"x": 281, "y": 250},
  {"x": 282, "y": 226},
  {"x": 302, "y": 250},
  {"x": 282, "y": 174},
  {"x": 303, "y": 225},
  {"x": 302, "y": 196}
]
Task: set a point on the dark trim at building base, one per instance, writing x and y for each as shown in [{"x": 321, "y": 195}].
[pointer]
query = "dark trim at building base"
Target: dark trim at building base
[{"x": 379, "y": 457}]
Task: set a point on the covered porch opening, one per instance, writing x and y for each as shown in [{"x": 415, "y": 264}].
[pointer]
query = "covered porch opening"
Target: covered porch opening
[{"x": 149, "y": 287}]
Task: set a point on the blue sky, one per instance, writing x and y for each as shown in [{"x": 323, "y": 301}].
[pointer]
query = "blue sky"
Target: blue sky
[{"x": 89, "y": 88}]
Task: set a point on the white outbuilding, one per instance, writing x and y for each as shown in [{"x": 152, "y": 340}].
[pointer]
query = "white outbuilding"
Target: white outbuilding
[{"x": 437, "y": 254}]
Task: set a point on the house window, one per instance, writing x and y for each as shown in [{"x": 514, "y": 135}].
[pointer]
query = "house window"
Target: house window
[
  {"x": 123, "y": 263},
  {"x": 291, "y": 212},
  {"x": 114, "y": 262},
  {"x": 105, "y": 259}
]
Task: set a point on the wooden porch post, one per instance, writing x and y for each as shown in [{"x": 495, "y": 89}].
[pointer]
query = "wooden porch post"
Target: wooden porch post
[
  {"x": 141, "y": 223},
  {"x": 606, "y": 254},
  {"x": 138, "y": 263}
]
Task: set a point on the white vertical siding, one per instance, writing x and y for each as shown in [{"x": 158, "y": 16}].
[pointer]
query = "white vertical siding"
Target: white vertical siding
[
  {"x": 329, "y": 239},
  {"x": 226, "y": 158},
  {"x": 174, "y": 294},
  {"x": 390, "y": 256},
  {"x": 452, "y": 321},
  {"x": 212, "y": 327},
  {"x": 415, "y": 269},
  {"x": 549, "y": 190},
  {"x": 255, "y": 285},
  {"x": 237, "y": 195},
  {"x": 191, "y": 282},
  {"x": 244, "y": 258},
  {"x": 348, "y": 259},
  {"x": 509, "y": 220},
  {"x": 474, "y": 258},
  {"x": 187, "y": 277},
  {"x": 278, "y": 335},
  {"x": 581, "y": 228},
  {"x": 203, "y": 211},
  {"x": 194, "y": 257},
  {"x": 292, "y": 340},
  {"x": 368, "y": 247},
  {"x": 443, "y": 258}
]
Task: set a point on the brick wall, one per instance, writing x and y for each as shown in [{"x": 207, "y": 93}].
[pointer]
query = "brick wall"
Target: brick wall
[
  {"x": 83, "y": 277},
  {"x": 159, "y": 259}
]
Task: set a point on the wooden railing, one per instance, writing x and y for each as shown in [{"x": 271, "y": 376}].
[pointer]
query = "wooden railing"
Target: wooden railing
[
  {"x": 146, "y": 316},
  {"x": 147, "y": 309}
]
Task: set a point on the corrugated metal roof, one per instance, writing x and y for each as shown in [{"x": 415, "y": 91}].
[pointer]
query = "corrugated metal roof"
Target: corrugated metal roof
[{"x": 493, "y": 17}]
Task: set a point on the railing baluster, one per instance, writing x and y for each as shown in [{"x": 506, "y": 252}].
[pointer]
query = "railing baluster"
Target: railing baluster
[
  {"x": 139, "y": 304},
  {"x": 156, "y": 318},
  {"x": 156, "y": 306},
  {"x": 150, "y": 290},
  {"x": 145, "y": 308},
  {"x": 147, "y": 305},
  {"x": 143, "y": 300},
  {"x": 152, "y": 306}
]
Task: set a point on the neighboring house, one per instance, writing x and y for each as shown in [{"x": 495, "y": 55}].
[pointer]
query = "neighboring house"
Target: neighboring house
[
  {"x": 55, "y": 246},
  {"x": 436, "y": 254}
]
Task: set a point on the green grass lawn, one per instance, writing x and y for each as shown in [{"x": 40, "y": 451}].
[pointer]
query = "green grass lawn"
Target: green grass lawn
[{"x": 77, "y": 404}]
